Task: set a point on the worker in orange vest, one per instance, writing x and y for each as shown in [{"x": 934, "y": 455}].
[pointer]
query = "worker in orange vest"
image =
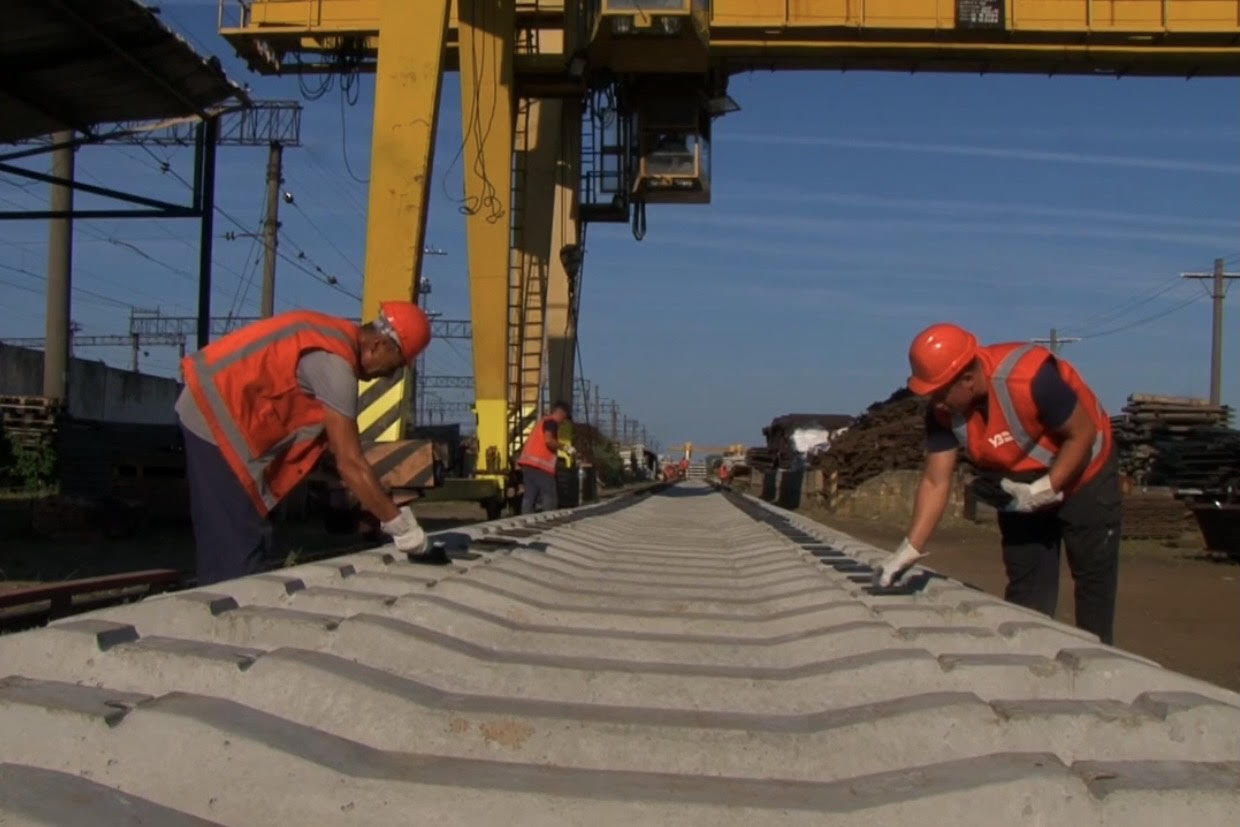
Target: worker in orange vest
[
  {"x": 537, "y": 460},
  {"x": 1026, "y": 416},
  {"x": 259, "y": 408}
]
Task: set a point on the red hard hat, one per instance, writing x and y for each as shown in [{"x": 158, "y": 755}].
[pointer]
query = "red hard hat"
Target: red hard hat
[
  {"x": 937, "y": 355},
  {"x": 410, "y": 324}
]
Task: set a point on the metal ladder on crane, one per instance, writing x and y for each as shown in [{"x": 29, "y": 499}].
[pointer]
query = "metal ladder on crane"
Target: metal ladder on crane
[{"x": 527, "y": 291}]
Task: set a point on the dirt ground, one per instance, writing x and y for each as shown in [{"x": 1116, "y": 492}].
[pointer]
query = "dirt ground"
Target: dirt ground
[{"x": 1179, "y": 606}]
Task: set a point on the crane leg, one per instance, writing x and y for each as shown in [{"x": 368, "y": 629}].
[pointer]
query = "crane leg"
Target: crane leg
[
  {"x": 486, "y": 59},
  {"x": 563, "y": 284},
  {"x": 407, "y": 81}
]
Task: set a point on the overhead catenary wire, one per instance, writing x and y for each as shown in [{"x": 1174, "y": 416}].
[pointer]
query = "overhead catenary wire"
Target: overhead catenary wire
[
  {"x": 1139, "y": 322},
  {"x": 326, "y": 238},
  {"x": 1095, "y": 319},
  {"x": 80, "y": 290},
  {"x": 1128, "y": 306},
  {"x": 321, "y": 275},
  {"x": 98, "y": 235}
]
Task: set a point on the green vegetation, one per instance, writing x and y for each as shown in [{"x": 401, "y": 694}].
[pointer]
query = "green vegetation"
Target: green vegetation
[{"x": 27, "y": 469}]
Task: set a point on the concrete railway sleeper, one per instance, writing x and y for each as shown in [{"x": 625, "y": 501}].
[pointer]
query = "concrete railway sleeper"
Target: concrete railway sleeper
[{"x": 681, "y": 656}]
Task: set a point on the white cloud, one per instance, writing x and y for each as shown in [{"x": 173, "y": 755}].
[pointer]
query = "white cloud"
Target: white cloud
[
  {"x": 889, "y": 226},
  {"x": 756, "y": 192},
  {"x": 986, "y": 152}
]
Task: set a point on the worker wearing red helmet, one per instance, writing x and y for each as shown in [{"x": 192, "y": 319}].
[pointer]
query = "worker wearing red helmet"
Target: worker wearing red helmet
[
  {"x": 259, "y": 408},
  {"x": 1027, "y": 417}
]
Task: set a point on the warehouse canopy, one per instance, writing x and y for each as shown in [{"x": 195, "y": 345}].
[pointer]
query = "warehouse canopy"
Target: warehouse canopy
[{"x": 76, "y": 64}]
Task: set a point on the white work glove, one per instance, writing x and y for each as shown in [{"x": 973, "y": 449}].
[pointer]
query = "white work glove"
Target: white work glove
[
  {"x": 405, "y": 532},
  {"x": 1031, "y": 496},
  {"x": 895, "y": 565},
  {"x": 570, "y": 450}
]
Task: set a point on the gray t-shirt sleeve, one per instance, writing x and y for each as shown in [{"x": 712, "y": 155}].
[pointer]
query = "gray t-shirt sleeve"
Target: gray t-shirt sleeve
[{"x": 330, "y": 379}]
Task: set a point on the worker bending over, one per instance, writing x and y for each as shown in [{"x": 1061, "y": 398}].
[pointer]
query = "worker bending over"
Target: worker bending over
[
  {"x": 537, "y": 461},
  {"x": 1024, "y": 413},
  {"x": 259, "y": 408}
]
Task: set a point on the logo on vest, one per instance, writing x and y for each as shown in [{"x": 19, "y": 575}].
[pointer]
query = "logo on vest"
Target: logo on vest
[{"x": 1001, "y": 438}]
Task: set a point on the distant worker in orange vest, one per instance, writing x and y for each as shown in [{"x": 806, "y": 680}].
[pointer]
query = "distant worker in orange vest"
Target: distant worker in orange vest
[
  {"x": 1027, "y": 417},
  {"x": 537, "y": 461},
  {"x": 259, "y": 408}
]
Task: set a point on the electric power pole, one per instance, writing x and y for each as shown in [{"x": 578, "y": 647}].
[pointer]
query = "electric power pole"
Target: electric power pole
[
  {"x": 271, "y": 228},
  {"x": 59, "y": 274},
  {"x": 1219, "y": 280},
  {"x": 615, "y": 416},
  {"x": 1055, "y": 341}
]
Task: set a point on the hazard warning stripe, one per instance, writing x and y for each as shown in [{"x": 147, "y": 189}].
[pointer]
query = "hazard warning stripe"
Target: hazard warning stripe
[{"x": 380, "y": 402}]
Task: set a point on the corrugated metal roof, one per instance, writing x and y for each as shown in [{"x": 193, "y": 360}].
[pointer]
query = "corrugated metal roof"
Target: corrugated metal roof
[
  {"x": 79, "y": 63},
  {"x": 683, "y": 660}
]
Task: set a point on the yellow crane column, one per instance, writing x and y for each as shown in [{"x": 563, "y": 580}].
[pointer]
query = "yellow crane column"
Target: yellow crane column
[
  {"x": 407, "y": 80},
  {"x": 565, "y": 257},
  {"x": 486, "y": 58}
]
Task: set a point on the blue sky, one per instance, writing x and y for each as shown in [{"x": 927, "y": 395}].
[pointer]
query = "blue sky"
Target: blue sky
[{"x": 849, "y": 211}]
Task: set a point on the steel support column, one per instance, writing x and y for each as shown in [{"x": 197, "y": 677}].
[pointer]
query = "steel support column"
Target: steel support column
[
  {"x": 407, "y": 82},
  {"x": 271, "y": 228},
  {"x": 486, "y": 58},
  {"x": 208, "y": 131},
  {"x": 566, "y": 255},
  {"x": 59, "y": 275}
]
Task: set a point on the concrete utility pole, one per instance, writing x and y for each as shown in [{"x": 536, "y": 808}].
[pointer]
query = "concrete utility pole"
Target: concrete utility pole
[
  {"x": 1219, "y": 280},
  {"x": 59, "y": 274},
  {"x": 615, "y": 416},
  {"x": 1055, "y": 341},
  {"x": 271, "y": 228}
]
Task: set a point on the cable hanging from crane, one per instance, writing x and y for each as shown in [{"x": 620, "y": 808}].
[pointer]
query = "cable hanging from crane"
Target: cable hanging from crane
[{"x": 472, "y": 126}]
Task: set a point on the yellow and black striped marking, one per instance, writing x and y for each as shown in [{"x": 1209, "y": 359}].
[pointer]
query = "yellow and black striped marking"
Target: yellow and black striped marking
[{"x": 379, "y": 406}]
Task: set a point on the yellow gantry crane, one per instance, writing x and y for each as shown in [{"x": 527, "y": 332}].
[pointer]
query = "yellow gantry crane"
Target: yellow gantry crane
[{"x": 579, "y": 111}]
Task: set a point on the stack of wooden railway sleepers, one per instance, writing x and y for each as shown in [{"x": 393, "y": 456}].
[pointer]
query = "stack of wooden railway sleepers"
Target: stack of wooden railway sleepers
[
  {"x": 1174, "y": 441},
  {"x": 889, "y": 435},
  {"x": 29, "y": 421}
]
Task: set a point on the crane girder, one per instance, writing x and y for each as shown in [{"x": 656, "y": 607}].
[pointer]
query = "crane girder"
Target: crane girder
[{"x": 1128, "y": 37}]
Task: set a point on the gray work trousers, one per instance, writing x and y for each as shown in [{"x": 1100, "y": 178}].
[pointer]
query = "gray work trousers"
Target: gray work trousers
[{"x": 540, "y": 490}]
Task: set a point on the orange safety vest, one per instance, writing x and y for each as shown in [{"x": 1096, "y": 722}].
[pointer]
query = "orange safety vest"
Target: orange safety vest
[
  {"x": 535, "y": 454},
  {"x": 269, "y": 430},
  {"x": 1010, "y": 438}
]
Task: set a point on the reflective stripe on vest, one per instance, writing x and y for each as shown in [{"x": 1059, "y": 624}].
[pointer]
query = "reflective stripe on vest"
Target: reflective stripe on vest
[
  {"x": 255, "y": 466},
  {"x": 1003, "y": 395}
]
